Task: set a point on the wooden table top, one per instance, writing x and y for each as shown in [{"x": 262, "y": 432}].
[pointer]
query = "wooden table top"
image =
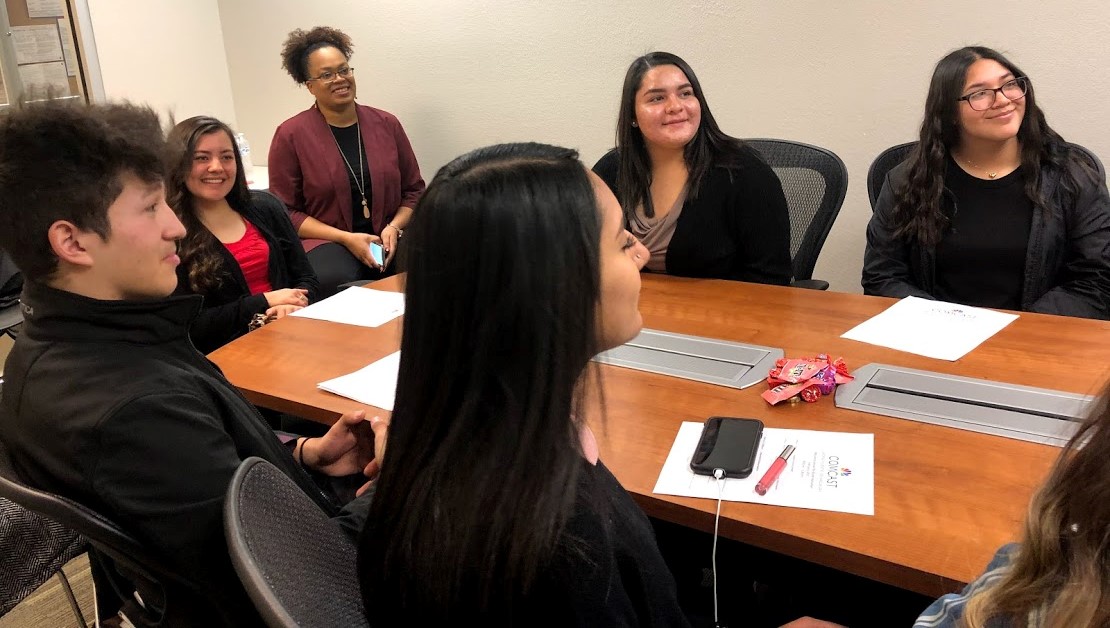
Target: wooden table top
[{"x": 945, "y": 499}]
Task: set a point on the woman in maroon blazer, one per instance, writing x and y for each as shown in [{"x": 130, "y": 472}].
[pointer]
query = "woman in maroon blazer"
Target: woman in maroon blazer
[{"x": 346, "y": 171}]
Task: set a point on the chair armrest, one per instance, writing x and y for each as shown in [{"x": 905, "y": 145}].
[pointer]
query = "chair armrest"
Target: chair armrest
[{"x": 810, "y": 284}]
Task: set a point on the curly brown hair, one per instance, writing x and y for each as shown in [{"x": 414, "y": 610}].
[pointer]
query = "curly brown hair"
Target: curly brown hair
[{"x": 301, "y": 43}]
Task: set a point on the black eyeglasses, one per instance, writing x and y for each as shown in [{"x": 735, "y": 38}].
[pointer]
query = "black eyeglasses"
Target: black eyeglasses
[
  {"x": 329, "y": 77},
  {"x": 983, "y": 99}
]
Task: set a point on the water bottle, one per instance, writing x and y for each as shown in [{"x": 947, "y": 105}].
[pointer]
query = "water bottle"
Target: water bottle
[{"x": 245, "y": 154}]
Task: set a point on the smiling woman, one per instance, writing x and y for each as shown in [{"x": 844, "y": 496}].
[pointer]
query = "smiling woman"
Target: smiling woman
[
  {"x": 241, "y": 251},
  {"x": 992, "y": 208},
  {"x": 705, "y": 204},
  {"x": 345, "y": 171}
]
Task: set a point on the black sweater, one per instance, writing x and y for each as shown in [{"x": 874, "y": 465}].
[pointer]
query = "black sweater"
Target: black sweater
[
  {"x": 607, "y": 571},
  {"x": 736, "y": 226},
  {"x": 1067, "y": 262},
  {"x": 229, "y": 308}
]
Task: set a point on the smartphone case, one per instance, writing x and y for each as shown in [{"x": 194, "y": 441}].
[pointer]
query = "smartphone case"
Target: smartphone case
[{"x": 729, "y": 444}]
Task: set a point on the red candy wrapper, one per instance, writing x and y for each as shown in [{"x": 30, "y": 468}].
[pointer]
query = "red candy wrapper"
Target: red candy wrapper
[
  {"x": 782, "y": 392},
  {"x": 796, "y": 371},
  {"x": 805, "y": 378},
  {"x": 810, "y": 394}
]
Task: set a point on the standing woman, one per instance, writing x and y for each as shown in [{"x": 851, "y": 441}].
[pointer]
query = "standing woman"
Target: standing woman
[
  {"x": 705, "y": 204},
  {"x": 240, "y": 250},
  {"x": 992, "y": 208},
  {"x": 346, "y": 171}
]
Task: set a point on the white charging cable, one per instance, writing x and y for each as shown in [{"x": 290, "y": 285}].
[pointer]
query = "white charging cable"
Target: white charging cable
[{"x": 720, "y": 475}]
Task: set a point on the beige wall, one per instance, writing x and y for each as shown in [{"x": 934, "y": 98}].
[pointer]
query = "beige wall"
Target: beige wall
[
  {"x": 166, "y": 53},
  {"x": 460, "y": 74}
]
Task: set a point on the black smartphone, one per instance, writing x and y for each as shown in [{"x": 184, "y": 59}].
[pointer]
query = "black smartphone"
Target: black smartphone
[{"x": 729, "y": 444}]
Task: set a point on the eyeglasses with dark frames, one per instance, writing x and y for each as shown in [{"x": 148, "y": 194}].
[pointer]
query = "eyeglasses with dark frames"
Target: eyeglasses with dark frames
[
  {"x": 983, "y": 99},
  {"x": 330, "y": 77}
]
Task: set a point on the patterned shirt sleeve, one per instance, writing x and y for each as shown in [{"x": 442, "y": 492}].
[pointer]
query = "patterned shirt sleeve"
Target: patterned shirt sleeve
[{"x": 947, "y": 611}]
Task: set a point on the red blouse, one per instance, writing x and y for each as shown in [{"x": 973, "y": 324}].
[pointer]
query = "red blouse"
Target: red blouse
[{"x": 253, "y": 255}]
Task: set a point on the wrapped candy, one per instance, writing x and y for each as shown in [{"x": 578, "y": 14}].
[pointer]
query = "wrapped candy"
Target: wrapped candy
[{"x": 806, "y": 378}]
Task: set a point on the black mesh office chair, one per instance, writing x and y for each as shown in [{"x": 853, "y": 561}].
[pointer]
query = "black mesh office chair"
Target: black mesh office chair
[
  {"x": 297, "y": 565},
  {"x": 34, "y": 549},
  {"x": 133, "y": 564},
  {"x": 891, "y": 157},
  {"x": 814, "y": 180},
  {"x": 886, "y": 160},
  {"x": 11, "y": 282}
]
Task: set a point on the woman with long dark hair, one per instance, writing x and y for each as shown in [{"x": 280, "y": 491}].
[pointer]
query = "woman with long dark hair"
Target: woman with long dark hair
[
  {"x": 492, "y": 505},
  {"x": 346, "y": 171},
  {"x": 240, "y": 250},
  {"x": 992, "y": 208},
  {"x": 1059, "y": 575},
  {"x": 704, "y": 203}
]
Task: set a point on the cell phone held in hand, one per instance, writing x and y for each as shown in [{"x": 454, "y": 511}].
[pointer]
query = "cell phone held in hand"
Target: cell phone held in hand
[
  {"x": 377, "y": 253},
  {"x": 728, "y": 444}
]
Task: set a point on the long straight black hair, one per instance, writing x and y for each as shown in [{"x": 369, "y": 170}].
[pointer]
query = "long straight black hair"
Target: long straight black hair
[
  {"x": 199, "y": 249},
  {"x": 483, "y": 459},
  {"x": 918, "y": 211},
  {"x": 710, "y": 146}
]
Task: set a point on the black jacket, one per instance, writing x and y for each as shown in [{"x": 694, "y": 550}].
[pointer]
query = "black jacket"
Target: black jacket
[
  {"x": 109, "y": 404},
  {"x": 737, "y": 228},
  {"x": 1067, "y": 263},
  {"x": 229, "y": 308}
]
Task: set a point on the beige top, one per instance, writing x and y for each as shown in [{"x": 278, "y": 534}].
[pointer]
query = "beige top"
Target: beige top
[{"x": 655, "y": 233}]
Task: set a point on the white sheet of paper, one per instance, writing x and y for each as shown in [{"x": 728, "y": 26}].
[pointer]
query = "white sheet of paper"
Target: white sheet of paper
[
  {"x": 69, "y": 49},
  {"x": 45, "y": 8},
  {"x": 36, "y": 44},
  {"x": 357, "y": 306},
  {"x": 832, "y": 471},
  {"x": 375, "y": 384},
  {"x": 46, "y": 75},
  {"x": 934, "y": 329}
]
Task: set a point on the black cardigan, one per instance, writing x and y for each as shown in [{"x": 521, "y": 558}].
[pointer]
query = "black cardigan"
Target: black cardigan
[
  {"x": 737, "y": 227},
  {"x": 229, "y": 308}
]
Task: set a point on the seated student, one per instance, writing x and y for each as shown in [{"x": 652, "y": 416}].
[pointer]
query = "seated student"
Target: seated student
[
  {"x": 346, "y": 171},
  {"x": 105, "y": 400},
  {"x": 1059, "y": 575},
  {"x": 240, "y": 250},
  {"x": 492, "y": 507},
  {"x": 705, "y": 204},
  {"x": 992, "y": 208}
]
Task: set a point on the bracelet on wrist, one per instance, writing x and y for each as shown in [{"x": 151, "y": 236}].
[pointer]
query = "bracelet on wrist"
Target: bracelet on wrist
[{"x": 300, "y": 453}]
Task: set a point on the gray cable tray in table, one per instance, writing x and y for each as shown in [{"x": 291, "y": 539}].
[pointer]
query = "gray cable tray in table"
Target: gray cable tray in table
[
  {"x": 721, "y": 362},
  {"x": 1037, "y": 415}
]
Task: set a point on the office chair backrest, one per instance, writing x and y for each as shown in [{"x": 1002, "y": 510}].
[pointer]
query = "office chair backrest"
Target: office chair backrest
[
  {"x": 11, "y": 284},
  {"x": 34, "y": 549},
  {"x": 297, "y": 565},
  {"x": 895, "y": 155},
  {"x": 882, "y": 164},
  {"x": 11, "y": 318},
  {"x": 134, "y": 562},
  {"x": 814, "y": 180}
]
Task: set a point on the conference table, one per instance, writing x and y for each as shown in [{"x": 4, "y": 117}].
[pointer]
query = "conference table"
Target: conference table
[{"x": 945, "y": 499}]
